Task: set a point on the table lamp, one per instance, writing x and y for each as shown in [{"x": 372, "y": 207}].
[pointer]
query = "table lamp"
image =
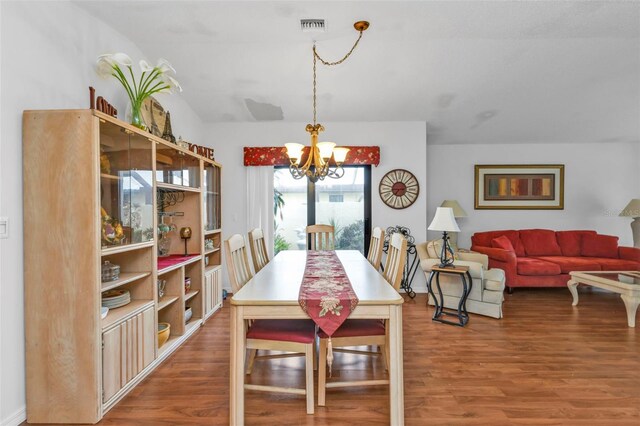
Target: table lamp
[
  {"x": 445, "y": 221},
  {"x": 458, "y": 212},
  {"x": 633, "y": 210}
]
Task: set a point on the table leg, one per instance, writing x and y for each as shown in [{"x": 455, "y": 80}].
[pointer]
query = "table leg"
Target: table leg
[
  {"x": 573, "y": 288},
  {"x": 432, "y": 294},
  {"x": 238, "y": 348},
  {"x": 631, "y": 303},
  {"x": 468, "y": 292},
  {"x": 396, "y": 377}
]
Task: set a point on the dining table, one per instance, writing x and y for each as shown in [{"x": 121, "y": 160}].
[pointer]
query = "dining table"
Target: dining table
[{"x": 273, "y": 293}]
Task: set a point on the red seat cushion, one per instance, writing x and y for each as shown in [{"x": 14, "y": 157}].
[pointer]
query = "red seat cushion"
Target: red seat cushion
[
  {"x": 616, "y": 264},
  {"x": 531, "y": 266},
  {"x": 570, "y": 264},
  {"x": 540, "y": 242},
  {"x": 599, "y": 246},
  {"x": 504, "y": 243},
  {"x": 357, "y": 327},
  {"x": 299, "y": 331},
  {"x": 569, "y": 241}
]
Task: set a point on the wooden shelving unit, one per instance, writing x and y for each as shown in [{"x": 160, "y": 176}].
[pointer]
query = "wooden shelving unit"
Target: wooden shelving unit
[{"x": 112, "y": 175}]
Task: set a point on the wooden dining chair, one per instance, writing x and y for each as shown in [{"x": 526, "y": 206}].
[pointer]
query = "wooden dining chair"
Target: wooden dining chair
[
  {"x": 321, "y": 237},
  {"x": 363, "y": 332},
  {"x": 297, "y": 337},
  {"x": 258, "y": 248},
  {"x": 375, "y": 247}
]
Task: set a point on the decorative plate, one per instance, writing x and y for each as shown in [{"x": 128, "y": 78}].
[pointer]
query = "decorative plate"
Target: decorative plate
[
  {"x": 153, "y": 115},
  {"x": 399, "y": 189}
]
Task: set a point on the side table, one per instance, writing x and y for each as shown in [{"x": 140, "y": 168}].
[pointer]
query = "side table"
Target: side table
[{"x": 463, "y": 273}]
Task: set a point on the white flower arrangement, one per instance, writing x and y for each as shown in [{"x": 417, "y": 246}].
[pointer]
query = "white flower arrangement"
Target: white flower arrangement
[{"x": 158, "y": 79}]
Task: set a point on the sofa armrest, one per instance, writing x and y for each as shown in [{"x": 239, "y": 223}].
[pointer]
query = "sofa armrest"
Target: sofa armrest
[
  {"x": 496, "y": 254},
  {"x": 501, "y": 259},
  {"x": 629, "y": 253}
]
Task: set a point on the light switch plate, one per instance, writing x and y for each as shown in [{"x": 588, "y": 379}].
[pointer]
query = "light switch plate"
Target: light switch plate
[{"x": 4, "y": 227}]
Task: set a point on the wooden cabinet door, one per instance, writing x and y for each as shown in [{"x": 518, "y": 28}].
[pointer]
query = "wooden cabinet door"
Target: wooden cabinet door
[
  {"x": 111, "y": 363},
  {"x": 148, "y": 337},
  {"x": 208, "y": 292},
  {"x": 217, "y": 288}
]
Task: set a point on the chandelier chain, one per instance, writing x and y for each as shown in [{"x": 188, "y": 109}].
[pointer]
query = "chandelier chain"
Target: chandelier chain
[{"x": 329, "y": 64}]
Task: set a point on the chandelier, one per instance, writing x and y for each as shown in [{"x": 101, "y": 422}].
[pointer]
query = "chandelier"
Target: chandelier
[{"x": 318, "y": 164}]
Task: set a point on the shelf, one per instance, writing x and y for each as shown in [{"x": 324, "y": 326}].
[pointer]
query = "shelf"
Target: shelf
[
  {"x": 172, "y": 187},
  {"x": 125, "y": 278},
  {"x": 212, "y": 231},
  {"x": 191, "y": 295},
  {"x": 127, "y": 247},
  {"x": 169, "y": 344},
  {"x": 118, "y": 315},
  {"x": 206, "y": 252},
  {"x": 166, "y": 301},
  {"x": 213, "y": 192},
  {"x": 211, "y": 268},
  {"x": 177, "y": 265},
  {"x": 109, "y": 177}
]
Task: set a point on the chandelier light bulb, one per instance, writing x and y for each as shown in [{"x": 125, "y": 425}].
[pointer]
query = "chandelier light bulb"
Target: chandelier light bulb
[
  {"x": 340, "y": 154},
  {"x": 294, "y": 151}
]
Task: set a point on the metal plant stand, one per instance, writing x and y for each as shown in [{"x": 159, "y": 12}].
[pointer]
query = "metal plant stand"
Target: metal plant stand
[{"x": 411, "y": 267}]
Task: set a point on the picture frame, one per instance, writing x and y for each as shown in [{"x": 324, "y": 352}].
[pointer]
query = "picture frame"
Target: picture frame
[{"x": 519, "y": 187}]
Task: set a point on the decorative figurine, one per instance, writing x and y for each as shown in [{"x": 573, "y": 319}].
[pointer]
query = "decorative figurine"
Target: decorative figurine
[
  {"x": 168, "y": 133},
  {"x": 185, "y": 234}
]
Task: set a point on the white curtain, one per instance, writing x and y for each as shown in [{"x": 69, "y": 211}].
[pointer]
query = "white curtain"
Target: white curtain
[{"x": 260, "y": 202}]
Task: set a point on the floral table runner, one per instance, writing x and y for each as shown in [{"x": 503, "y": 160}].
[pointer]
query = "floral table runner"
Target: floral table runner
[{"x": 326, "y": 294}]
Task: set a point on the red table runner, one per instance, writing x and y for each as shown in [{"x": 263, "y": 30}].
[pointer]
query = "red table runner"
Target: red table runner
[{"x": 326, "y": 294}]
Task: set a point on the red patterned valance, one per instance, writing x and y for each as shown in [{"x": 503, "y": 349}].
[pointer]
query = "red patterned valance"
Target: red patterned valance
[{"x": 277, "y": 156}]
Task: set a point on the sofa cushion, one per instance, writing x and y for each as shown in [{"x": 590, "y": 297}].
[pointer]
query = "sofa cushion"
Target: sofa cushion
[
  {"x": 532, "y": 266},
  {"x": 540, "y": 242},
  {"x": 483, "y": 239},
  {"x": 607, "y": 264},
  {"x": 599, "y": 246},
  {"x": 504, "y": 243},
  {"x": 568, "y": 264},
  {"x": 569, "y": 241}
]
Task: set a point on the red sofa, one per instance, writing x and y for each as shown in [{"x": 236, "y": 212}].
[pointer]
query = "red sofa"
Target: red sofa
[{"x": 544, "y": 258}]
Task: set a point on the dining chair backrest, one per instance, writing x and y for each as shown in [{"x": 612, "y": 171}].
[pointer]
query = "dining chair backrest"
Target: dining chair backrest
[
  {"x": 258, "y": 247},
  {"x": 375, "y": 247},
  {"x": 396, "y": 260},
  {"x": 321, "y": 237},
  {"x": 237, "y": 262}
]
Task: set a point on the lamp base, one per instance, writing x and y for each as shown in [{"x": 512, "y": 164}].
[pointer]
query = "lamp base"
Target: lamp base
[
  {"x": 635, "y": 228},
  {"x": 446, "y": 255}
]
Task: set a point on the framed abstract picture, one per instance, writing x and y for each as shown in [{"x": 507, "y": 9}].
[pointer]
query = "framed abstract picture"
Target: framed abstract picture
[{"x": 526, "y": 186}]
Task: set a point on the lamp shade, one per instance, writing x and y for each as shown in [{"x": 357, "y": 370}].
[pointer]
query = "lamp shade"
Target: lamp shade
[
  {"x": 444, "y": 220},
  {"x": 632, "y": 209},
  {"x": 457, "y": 210}
]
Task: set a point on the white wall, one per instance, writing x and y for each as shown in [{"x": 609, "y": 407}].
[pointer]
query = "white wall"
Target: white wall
[
  {"x": 402, "y": 145},
  {"x": 48, "y": 55},
  {"x": 600, "y": 179}
]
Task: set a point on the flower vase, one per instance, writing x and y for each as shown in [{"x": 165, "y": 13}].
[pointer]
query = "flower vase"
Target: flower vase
[{"x": 136, "y": 114}]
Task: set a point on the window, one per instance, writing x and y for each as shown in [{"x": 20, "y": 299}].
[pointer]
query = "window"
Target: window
[{"x": 344, "y": 203}]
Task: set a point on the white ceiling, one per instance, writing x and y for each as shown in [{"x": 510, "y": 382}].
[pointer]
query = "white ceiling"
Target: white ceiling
[{"x": 475, "y": 71}]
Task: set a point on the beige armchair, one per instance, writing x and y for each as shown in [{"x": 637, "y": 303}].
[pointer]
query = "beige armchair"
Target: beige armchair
[{"x": 488, "y": 284}]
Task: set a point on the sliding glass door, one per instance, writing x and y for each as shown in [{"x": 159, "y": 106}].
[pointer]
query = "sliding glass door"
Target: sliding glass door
[{"x": 344, "y": 203}]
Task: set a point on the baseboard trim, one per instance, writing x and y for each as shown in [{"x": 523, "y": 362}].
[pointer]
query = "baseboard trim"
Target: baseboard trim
[{"x": 16, "y": 418}]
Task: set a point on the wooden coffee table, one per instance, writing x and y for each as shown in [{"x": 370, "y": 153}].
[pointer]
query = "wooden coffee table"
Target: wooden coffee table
[{"x": 625, "y": 283}]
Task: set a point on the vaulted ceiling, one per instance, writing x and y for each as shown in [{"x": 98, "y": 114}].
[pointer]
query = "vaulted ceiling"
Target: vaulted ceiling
[{"x": 475, "y": 71}]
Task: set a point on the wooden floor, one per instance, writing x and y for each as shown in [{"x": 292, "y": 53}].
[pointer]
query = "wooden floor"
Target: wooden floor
[{"x": 545, "y": 363}]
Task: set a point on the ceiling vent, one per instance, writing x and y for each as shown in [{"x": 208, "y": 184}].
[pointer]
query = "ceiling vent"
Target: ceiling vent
[{"x": 312, "y": 25}]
